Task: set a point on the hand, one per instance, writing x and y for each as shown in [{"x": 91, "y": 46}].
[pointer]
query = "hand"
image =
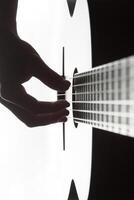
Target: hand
[{"x": 18, "y": 63}]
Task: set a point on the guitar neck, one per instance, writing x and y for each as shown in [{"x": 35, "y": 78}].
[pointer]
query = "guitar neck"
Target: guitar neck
[{"x": 104, "y": 97}]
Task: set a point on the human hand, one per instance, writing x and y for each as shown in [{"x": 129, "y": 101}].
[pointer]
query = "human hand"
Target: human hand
[{"x": 18, "y": 63}]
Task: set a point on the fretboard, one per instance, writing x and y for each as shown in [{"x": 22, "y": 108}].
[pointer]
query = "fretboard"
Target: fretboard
[{"x": 104, "y": 97}]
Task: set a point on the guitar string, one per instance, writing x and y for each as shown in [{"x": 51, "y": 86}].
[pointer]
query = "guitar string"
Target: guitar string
[
  {"x": 115, "y": 101},
  {"x": 115, "y": 113},
  {"x": 95, "y": 83},
  {"x": 112, "y": 123},
  {"x": 70, "y": 78},
  {"x": 94, "y": 123},
  {"x": 91, "y": 73},
  {"x": 114, "y": 127},
  {"x": 125, "y": 102},
  {"x": 105, "y": 113},
  {"x": 110, "y": 92},
  {"x": 102, "y": 91},
  {"x": 96, "y": 91},
  {"x": 103, "y": 121},
  {"x": 100, "y": 82},
  {"x": 100, "y": 112},
  {"x": 103, "y": 68},
  {"x": 91, "y": 121},
  {"x": 118, "y": 102},
  {"x": 95, "y": 72},
  {"x": 104, "y": 81}
]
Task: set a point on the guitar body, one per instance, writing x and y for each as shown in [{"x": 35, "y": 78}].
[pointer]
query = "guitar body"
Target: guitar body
[
  {"x": 73, "y": 34},
  {"x": 78, "y": 141}
]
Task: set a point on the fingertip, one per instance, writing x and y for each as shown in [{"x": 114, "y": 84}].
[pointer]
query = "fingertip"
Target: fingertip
[
  {"x": 64, "y": 119},
  {"x": 67, "y": 112},
  {"x": 67, "y": 104},
  {"x": 67, "y": 83},
  {"x": 64, "y": 103}
]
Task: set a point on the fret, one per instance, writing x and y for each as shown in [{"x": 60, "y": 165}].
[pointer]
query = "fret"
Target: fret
[
  {"x": 123, "y": 114},
  {"x": 105, "y": 95},
  {"x": 123, "y": 129},
  {"x": 110, "y": 102}
]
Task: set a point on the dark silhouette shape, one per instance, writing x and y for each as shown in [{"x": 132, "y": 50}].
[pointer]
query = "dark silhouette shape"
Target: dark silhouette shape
[
  {"x": 112, "y": 28},
  {"x": 71, "y": 6},
  {"x": 19, "y": 61},
  {"x": 73, "y": 192}
]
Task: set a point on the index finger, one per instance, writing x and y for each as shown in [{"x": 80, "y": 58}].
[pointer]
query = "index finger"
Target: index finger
[
  {"x": 17, "y": 95},
  {"x": 47, "y": 75}
]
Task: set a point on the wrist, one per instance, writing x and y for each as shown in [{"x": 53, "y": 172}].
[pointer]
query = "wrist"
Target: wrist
[
  {"x": 10, "y": 26},
  {"x": 8, "y": 11}
]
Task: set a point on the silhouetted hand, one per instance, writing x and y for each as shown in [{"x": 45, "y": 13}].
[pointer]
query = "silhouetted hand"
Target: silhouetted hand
[{"x": 18, "y": 63}]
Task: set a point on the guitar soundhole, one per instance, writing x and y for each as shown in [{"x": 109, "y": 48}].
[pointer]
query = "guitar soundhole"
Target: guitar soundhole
[{"x": 73, "y": 97}]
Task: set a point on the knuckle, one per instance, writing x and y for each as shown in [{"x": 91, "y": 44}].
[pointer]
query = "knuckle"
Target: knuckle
[{"x": 30, "y": 124}]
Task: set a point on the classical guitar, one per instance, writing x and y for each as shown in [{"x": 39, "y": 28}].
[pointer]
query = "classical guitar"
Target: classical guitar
[{"x": 43, "y": 163}]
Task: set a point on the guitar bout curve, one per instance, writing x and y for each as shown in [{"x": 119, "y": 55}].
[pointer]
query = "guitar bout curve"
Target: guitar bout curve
[{"x": 73, "y": 97}]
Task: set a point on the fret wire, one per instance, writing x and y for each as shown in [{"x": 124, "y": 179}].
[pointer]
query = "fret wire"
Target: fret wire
[
  {"x": 121, "y": 129},
  {"x": 86, "y": 79},
  {"x": 79, "y": 93},
  {"x": 100, "y": 107},
  {"x": 110, "y": 90},
  {"x": 82, "y": 93},
  {"x": 121, "y": 102},
  {"x": 85, "y": 84},
  {"x": 102, "y": 66},
  {"x": 105, "y": 118},
  {"x": 108, "y": 124},
  {"x": 118, "y": 114},
  {"x": 101, "y": 91},
  {"x": 105, "y": 85},
  {"x": 122, "y": 61},
  {"x": 85, "y": 93}
]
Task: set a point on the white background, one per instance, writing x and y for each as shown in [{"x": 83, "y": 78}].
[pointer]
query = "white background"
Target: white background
[{"x": 25, "y": 154}]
